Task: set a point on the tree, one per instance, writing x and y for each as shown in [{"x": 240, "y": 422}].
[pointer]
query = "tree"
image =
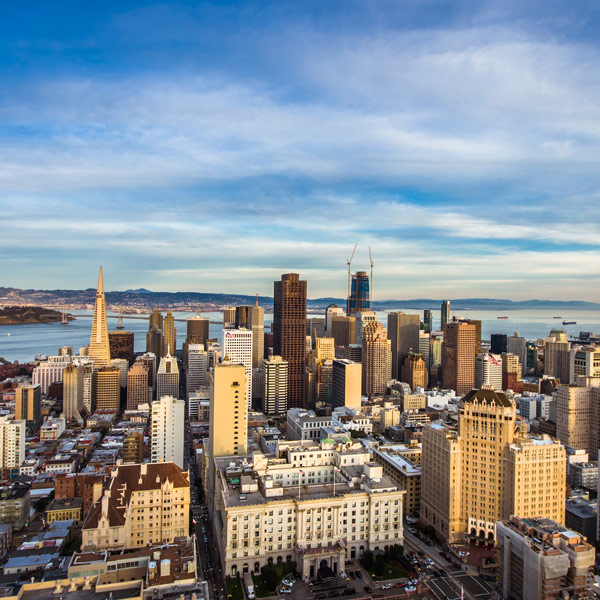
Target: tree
[
  {"x": 270, "y": 577},
  {"x": 379, "y": 565},
  {"x": 367, "y": 560}
]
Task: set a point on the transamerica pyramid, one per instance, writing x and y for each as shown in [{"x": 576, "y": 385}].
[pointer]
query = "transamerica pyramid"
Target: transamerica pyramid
[{"x": 99, "y": 350}]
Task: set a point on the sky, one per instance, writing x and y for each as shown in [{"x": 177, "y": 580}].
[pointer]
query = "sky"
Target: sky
[{"x": 211, "y": 146}]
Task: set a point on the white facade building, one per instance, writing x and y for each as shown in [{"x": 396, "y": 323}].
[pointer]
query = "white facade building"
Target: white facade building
[
  {"x": 197, "y": 367},
  {"x": 362, "y": 320},
  {"x": 50, "y": 371},
  {"x": 12, "y": 442},
  {"x": 168, "y": 430},
  {"x": 237, "y": 349},
  {"x": 488, "y": 370},
  {"x": 274, "y": 385},
  {"x": 167, "y": 377}
]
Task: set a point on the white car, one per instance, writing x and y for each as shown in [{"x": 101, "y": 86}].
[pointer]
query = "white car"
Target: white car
[
  {"x": 410, "y": 588},
  {"x": 386, "y": 586},
  {"x": 290, "y": 581}
]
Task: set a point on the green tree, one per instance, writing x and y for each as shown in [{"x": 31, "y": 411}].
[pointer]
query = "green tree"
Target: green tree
[
  {"x": 367, "y": 560},
  {"x": 379, "y": 565},
  {"x": 270, "y": 577}
]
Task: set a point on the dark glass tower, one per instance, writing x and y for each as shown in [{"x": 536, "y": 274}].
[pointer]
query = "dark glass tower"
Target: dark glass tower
[{"x": 359, "y": 294}]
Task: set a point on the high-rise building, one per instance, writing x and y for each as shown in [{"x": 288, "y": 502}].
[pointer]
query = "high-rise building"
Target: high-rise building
[
  {"x": 458, "y": 357},
  {"x": 228, "y": 427},
  {"x": 315, "y": 328},
  {"x": 12, "y": 442},
  {"x": 585, "y": 362},
  {"x": 133, "y": 446},
  {"x": 359, "y": 293},
  {"x": 257, "y": 326},
  {"x": 330, "y": 312},
  {"x": 343, "y": 330},
  {"x": 414, "y": 371},
  {"x": 229, "y": 317},
  {"x": 488, "y": 370},
  {"x": 424, "y": 342},
  {"x": 155, "y": 320},
  {"x": 154, "y": 342},
  {"x": 511, "y": 372},
  {"x": 88, "y": 385},
  {"x": 362, "y": 320},
  {"x": 167, "y": 377},
  {"x": 577, "y": 417},
  {"x": 50, "y": 371},
  {"x": 557, "y": 359},
  {"x": 376, "y": 360},
  {"x": 498, "y": 343},
  {"x": 137, "y": 385},
  {"x": 28, "y": 405},
  {"x": 346, "y": 384},
  {"x": 99, "y": 349},
  {"x": 73, "y": 389},
  {"x": 274, "y": 388},
  {"x": 487, "y": 470},
  {"x": 125, "y": 518},
  {"x": 445, "y": 316},
  {"x": 148, "y": 359},
  {"x": 168, "y": 430},
  {"x": 427, "y": 321},
  {"x": 107, "y": 388},
  {"x": 121, "y": 344},
  {"x": 169, "y": 335},
  {"x": 435, "y": 357},
  {"x": 477, "y": 324},
  {"x": 403, "y": 331},
  {"x": 197, "y": 333},
  {"x": 518, "y": 345},
  {"x": 289, "y": 332},
  {"x": 123, "y": 366},
  {"x": 237, "y": 348},
  {"x": 197, "y": 368}
]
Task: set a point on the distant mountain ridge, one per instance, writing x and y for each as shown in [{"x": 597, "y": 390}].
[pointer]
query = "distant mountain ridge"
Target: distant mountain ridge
[{"x": 148, "y": 298}]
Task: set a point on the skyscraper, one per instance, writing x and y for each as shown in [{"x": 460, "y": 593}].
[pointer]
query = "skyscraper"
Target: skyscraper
[
  {"x": 376, "y": 360},
  {"x": 228, "y": 317},
  {"x": 167, "y": 377},
  {"x": 155, "y": 320},
  {"x": 73, "y": 388},
  {"x": 445, "y": 314},
  {"x": 518, "y": 345},
  {"x": 121, "y": 344},
  {"x": 154, "y": 342},
  {"x": 237, "y": 348},
  {"x": 107, "y": 388},
  {"x": 343, "y": 330},
  {"x": 228, "y": 427},
  {"x": 169, "y": 335},
  {"x": 197, "y": 368},
  {"x": 403, "y": 331},
  {"x": 28, "y": 405},
  {"x": 148, "y": 359},
  {"x": 488, "y": 371},
  {"x": 99, "y": 350},
  {"x": 137, "y": 385},
  {"x": 257, "y": 326},
  {"x": 458, "y": 357},
  {"x": 168, "y": 430},
  {"x": 289, "y": 332},
  {"x": 346, "y": 384},
  {"x": 498, "y": 343},
  {"x": 330, "y": 312},
  {"x": 362, "y": 320},
  {"x": 197, "y": 333},
  {"x": 274, "y": 388},
  {"x": 414, "y": 371},
  {"x": 359, "y": 293},
  {"x": 427, "y": 321}
]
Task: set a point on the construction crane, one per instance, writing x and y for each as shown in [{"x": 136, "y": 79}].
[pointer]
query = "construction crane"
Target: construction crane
[
  {"x": 349, "y": 262},
  {"x": 371, "y": 282}
]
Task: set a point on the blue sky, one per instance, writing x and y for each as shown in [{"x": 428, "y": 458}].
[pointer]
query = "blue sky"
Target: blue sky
[{"x": 211, "y": 146}]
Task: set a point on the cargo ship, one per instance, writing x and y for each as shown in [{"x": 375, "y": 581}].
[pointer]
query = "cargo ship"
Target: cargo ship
[
  {"x": 502, "y": 317},
  {"x": 569, "y": 322}
]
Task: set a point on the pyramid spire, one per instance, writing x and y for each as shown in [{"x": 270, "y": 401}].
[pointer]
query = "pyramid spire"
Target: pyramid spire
[{"x": 99, "y": 350}]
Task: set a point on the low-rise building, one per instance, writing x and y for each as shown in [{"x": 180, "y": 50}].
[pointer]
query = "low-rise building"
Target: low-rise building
[
  {"x": 541, "y": 560},
  {"x": 141, "y": 504},
  {"x": 14, "y": 505},
  {"x": 304, "y": 424},
  {"x": 52, "y": 428},
  {"x": 64, "y": 509}
]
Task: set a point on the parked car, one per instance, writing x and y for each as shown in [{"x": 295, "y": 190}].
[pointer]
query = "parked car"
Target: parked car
[
  {"x": 410, "y": 588},
  {"x": 284, "y": 590},
  {"x": 359, "y": 574},
  {"x": 368, "y": 589},
  {"x": 349, "y": 591},
  {"x": 320, "y": 596},
  {"x": 386, "y": 586},
  {"x": 288, "y": 580},
  {"x": 333, "y": 594}
]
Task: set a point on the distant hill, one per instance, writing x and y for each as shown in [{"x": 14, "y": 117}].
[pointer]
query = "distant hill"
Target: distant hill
[{"x": 146, "y": 298}]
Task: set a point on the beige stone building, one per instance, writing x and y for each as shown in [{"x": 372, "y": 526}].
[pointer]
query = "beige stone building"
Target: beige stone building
[
  {"x": 141, "y": 504},
  {"x": 319, "y": 504},
  {"x": 414, "y": 371},
  {"x": 376, "y": 360},
  {"x": 487, "y": 470},
  {"x": 137, "y": 385},
  {"x": 458, "y": 356},
  {"x": 107, "y": 388}
]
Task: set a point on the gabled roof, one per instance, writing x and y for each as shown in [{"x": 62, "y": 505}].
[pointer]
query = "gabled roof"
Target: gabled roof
[{"x": 487, "y": 395}]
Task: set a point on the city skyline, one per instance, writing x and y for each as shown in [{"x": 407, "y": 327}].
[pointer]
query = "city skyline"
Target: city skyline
[{"x": 460, "y": 144}]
